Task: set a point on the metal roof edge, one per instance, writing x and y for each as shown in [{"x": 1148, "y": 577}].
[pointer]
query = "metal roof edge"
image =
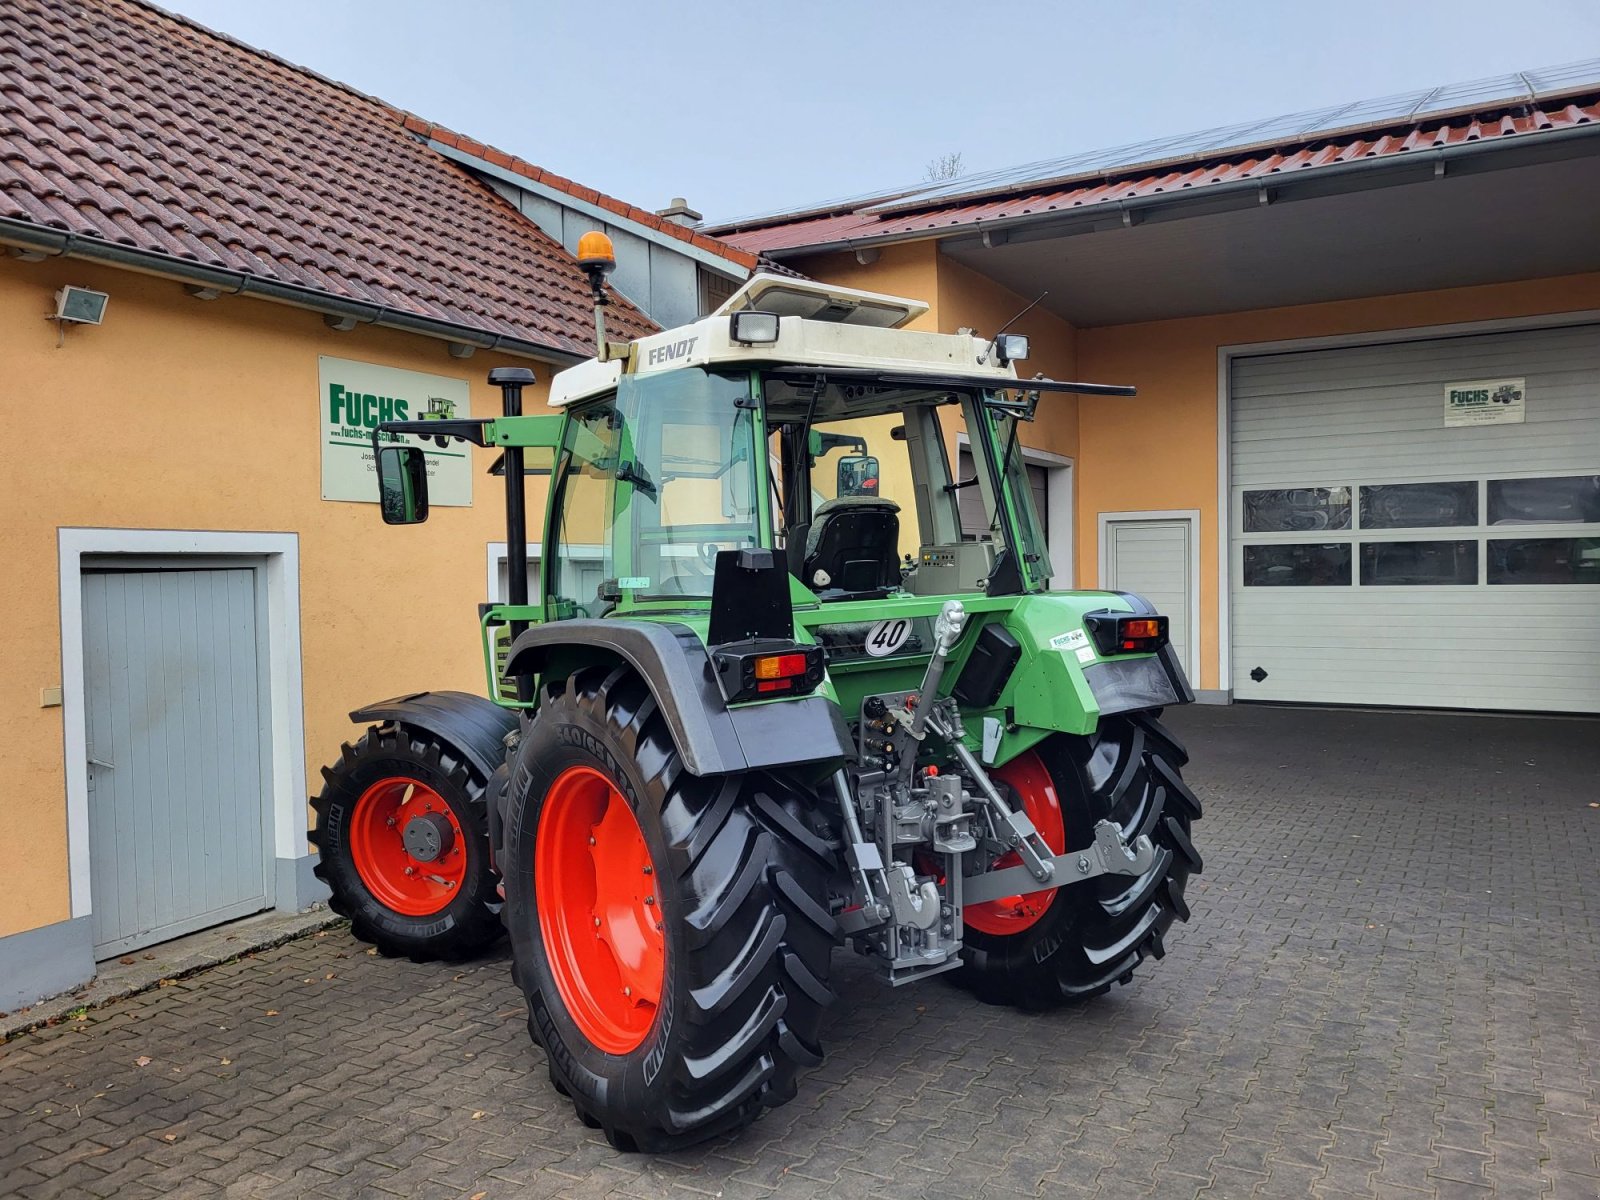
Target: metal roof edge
[
  {"x": 59, "y": 243},
  {"x": 977, "y": 227}
]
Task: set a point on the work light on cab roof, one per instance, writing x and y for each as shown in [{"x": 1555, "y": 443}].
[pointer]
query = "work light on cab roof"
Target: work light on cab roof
[{"x": 788, "y": 681}]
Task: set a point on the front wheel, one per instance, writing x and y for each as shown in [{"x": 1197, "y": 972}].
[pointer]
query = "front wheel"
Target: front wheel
[
  {"x": 1042, "y": 949},
  {"x": 668, "y": 930},
  {"x": 401, "y": 841}
]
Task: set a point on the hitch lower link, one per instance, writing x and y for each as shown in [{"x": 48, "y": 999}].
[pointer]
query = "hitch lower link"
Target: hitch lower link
[{"x": 1108, "y": 854}]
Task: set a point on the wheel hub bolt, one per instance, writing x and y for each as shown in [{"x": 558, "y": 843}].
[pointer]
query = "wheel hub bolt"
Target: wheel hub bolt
[
  {"x": 1083, "y": 865},
  {"x": 649, "y": 871},
  {"x": 649, "y": 899},
  {"x": 597, "y": 922},
  {"x": 591, "y": 839},
  {"x": 429, "y": 837},
  {"x": 627, "y": 991}
]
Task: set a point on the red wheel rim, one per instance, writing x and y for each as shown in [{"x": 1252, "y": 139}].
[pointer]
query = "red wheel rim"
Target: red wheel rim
[
  {"x": 1010, "y": 915},
  {"x": 595, "y": 889},
  {"x": 397, "y": 877}
]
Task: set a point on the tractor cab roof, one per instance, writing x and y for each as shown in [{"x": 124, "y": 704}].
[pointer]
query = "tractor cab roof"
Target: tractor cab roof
[{"x": 819, "y": 325}]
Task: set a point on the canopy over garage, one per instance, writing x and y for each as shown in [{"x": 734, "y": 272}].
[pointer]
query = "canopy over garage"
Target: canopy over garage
[{"x": 1305, "y": 293}]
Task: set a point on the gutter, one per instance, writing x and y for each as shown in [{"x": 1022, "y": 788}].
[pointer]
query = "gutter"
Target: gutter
[
  {"x": 59, "y": 244},
  {"x": 1274, "y": 184}
]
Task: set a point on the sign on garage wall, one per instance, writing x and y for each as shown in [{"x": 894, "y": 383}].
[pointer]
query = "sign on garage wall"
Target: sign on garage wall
[
  {"x": 1485, "y": 402},
  {"x": 356, "y": 396}
]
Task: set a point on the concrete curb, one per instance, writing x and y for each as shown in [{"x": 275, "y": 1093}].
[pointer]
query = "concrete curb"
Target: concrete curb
[{"x": 178, "y": 959}]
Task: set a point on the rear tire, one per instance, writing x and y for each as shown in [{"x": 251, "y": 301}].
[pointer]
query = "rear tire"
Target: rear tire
[
  {"x": 397, "y": 772},
  {"x": 739, "y": 881},
  {"x": 1088, "y": 936}
]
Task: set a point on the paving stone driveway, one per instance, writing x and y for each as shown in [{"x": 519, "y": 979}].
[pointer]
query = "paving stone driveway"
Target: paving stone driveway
[{"x": 1391, "y": 987}]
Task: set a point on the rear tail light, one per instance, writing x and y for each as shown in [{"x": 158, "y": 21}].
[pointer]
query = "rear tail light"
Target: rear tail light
[
  {"x": 1123, "y": 633},
  {"x": 758, "y": 670}
]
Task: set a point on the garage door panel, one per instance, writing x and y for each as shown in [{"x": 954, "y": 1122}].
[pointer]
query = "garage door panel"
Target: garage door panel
[{"x": 1375, "y": 415}]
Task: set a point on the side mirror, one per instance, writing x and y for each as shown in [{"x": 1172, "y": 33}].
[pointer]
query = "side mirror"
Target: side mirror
[
  {"x": 857, "y": 476},
  {"x": 403, "y": 485}
]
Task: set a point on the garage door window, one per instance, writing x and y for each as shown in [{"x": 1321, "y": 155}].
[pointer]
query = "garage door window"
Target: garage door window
[
  {"x": 1388, "y": 564},
  {"x": 1297, "y": 510},
  {"x": 1419, "y": 505},
  {"x": 1544, "y": 560},
  {"x": 1538, "y": 501},
  {"x": 1297, "y": 565}
]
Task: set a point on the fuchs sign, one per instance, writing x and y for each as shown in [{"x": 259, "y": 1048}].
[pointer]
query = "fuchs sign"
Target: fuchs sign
[
  {"x": 1485, "y": 402},
  {"x": 356, "y": 396}
]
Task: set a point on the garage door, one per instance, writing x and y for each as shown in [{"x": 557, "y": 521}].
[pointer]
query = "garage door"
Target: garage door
[
  {"x": 177, "y": 790},
  {"x": 1384, "y": 553}
]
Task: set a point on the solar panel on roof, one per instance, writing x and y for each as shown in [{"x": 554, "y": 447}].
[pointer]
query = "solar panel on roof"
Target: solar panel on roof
[{"x": 1296, "y": 126}]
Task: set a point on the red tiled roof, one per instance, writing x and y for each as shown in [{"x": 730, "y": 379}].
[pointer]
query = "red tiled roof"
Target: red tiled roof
[
  {"x": 630, "y": 212},
  {"x": 124, "y": 123},
  {"x": 890, "y": 219}
]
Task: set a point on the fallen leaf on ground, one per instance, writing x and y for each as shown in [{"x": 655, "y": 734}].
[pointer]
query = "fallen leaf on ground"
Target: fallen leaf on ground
[
  {"x": 127, "y": 960},
  {"x": 479, "y": 1195},
  {"x": 227, "y": 1062},
  {"x": 479, "y": 1114},
  {"x": 373, "y": 951},
  {"x": 169, "y": 1137},
  {"x": 144, "y": 1060},
  {"x": 272, "y": 1012},
  {"x": 330, "y": 975}
]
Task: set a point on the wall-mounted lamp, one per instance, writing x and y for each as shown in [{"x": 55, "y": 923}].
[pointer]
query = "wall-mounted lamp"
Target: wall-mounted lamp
[{"x": 77, "y": 306}]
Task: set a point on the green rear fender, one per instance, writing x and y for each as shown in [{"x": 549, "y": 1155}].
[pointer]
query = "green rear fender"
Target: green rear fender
[{"x": 1048, "y": 691}]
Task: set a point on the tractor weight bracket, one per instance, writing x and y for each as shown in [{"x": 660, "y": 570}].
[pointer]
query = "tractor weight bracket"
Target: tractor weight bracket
[{"x": 1108, "y": 854}]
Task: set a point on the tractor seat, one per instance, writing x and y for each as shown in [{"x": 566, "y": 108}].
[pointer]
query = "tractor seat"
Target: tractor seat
[{"x": 853, "y": 547}]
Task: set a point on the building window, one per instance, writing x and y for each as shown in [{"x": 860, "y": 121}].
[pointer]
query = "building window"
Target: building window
[
  {"x": 1538, "y": 501},
  {"x": 1544, "y": 560},
  {"x": 715, "y": 290},
  {"x": 1297, "y": 565},
  {"x": 1297, "y": 510},
  {"x": 1417, "y": 505},
  {"x": 1390, "y": 564}
]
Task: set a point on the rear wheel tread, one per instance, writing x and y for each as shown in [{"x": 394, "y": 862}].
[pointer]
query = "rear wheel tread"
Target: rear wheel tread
[
  {"x": 1096, "y": 933},
  {"x": 748, "y": 946}
]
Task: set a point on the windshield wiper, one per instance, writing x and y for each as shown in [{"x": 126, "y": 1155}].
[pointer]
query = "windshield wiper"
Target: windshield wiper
[{"x": 628, "y": 472}]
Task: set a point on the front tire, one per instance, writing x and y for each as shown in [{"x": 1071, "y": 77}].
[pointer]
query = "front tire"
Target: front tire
[
  {"x": 403, "y": 846},
  {"x": 667, "y": 930},
  {"x": 1045, "y": 949}
]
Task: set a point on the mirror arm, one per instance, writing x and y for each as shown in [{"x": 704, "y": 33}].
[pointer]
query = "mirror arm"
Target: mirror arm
[{"x": 470, "y": 429}]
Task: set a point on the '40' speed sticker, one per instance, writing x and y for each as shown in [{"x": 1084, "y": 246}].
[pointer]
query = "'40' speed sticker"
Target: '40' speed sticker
[{"x": 886, "y": 637}]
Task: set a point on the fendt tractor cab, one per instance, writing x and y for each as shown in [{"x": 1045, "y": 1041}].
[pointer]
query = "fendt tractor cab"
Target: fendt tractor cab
[{"x": 772, "y": 695}]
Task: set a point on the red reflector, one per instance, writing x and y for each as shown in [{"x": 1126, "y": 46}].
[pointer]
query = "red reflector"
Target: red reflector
[
  {"x": 780, "y": 666},
  {"x": 776, "y": 685}
]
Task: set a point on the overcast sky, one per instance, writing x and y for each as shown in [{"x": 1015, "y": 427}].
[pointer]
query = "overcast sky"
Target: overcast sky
[{"x": 760, "y": 105}]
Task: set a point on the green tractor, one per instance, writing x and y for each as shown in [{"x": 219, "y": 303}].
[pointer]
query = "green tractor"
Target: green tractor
[{"x": 769, "y": 698}]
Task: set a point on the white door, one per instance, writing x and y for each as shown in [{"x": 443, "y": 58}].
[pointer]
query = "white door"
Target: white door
[
  {"x": 177, "y": 745},
  {"x": 1381, "y": 555},
  {"x": 1154, "y": 557}
]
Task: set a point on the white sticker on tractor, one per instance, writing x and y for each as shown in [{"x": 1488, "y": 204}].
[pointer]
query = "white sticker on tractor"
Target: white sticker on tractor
[
  {"x": 1086, "y": 654},
  {"x": 888, "y": 636},
  {"x": 1070, "y": 640},
  {"x": 634, "y": 581}
]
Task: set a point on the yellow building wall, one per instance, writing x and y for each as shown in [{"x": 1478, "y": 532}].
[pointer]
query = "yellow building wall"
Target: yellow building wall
[
  {"x": 1160, "y": 450},
  {"x": 183, "y": 414}
]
